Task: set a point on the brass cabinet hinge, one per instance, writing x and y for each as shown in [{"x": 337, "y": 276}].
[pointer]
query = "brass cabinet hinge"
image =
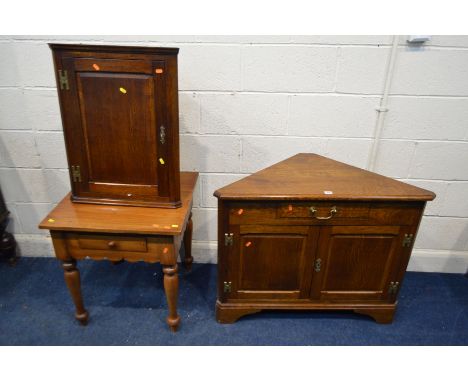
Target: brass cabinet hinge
[
  {"x": 408, "y": 240},
  {"x": 227, "y": 287},
  {"x": 317, "y": 265},
  {"x": 393, "y": 288},
  {"x": 228, "y": 239},
  {"x": 63, "y": 80},
  {"x": 76, "y": 173}
]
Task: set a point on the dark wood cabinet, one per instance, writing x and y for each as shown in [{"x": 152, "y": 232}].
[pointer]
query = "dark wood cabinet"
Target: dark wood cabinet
[
  {"x": 7, "y": 241},
  {"x": 313, "y": 233},
  {"x": 119, "y": 109}
]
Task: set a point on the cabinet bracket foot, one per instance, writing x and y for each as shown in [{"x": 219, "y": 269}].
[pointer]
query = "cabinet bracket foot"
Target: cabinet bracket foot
[
  {"x": 380, "y": 315},
  {"x": 229, "y": 315}
]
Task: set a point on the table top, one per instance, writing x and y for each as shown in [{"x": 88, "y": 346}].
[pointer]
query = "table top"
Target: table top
[
  {"x": 70, "y": 216},
  {"x": 314, "y": 177}
]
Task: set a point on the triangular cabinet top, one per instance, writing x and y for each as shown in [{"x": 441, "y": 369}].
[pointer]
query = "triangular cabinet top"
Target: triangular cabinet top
[{"x": 311, "y": 176}]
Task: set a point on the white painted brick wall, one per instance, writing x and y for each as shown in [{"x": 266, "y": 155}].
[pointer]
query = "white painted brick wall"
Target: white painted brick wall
[
  {"x": 361, "y": 70},
  {"x": 247, "y": 102},
  {"x": 427, "y": 118},
  {"x": 260, "y": 114},
  {"x": 18, "y": 149},
  {"x": 332, "y": 116},
  {"x": 431, "y": 72},
  {"x": 209, "y": 67},
  {"x": 288, "y": 68},
  {"x": 261, "y": 152}
]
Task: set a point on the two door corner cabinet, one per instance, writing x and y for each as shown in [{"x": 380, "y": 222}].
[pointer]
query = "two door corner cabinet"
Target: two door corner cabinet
[
  {"x": 119, "y": 108},
  {"x": 314, "y": 233}
]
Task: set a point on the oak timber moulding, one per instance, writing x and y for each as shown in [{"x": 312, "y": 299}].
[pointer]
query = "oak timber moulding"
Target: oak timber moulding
[{"x": 119, "y": 107}]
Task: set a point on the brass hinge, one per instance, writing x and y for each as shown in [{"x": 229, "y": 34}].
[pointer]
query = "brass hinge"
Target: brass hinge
[
  {"x": 63, "y": 80},
  {"x": 228, "y": 239},
  {"x": 76, "y": 173},
  {"x": 317, "y": 265},
  {"x": 393, "y": 288},
  {"x": 408, "y": 239},
  {"x": 227, "y": 287}
]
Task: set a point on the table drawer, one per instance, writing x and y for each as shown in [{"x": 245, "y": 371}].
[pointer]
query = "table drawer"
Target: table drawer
[
  {"x": 112, "y": 243},
  {"x": 323, "y": 210}
]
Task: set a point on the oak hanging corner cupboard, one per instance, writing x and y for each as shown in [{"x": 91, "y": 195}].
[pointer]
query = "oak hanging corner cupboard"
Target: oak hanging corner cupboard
[{"x": 119, "y": 108}]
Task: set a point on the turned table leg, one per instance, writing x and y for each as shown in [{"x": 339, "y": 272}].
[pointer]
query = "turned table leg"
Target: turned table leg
[
  {"x": 188, "y": 244},
  {"x": 171, "y": 287},
  {"x": 72, "y": 278}
]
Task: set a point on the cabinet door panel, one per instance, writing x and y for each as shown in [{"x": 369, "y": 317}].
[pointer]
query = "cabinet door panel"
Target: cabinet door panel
[
  {"x": 118, "y": 119},
  {"x": 272, "y": 262},
  {"x": 356, "y": 262}
]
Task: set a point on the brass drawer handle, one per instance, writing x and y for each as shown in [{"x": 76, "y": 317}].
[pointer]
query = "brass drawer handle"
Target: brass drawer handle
[
  {"x": 111, "y": 244},
  {"x": 333, "y": 211}
]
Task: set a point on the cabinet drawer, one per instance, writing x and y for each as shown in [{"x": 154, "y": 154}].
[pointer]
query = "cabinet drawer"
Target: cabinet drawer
[
  {"x": 323, "y": 211},
  {"x": 112, "y": 243}
]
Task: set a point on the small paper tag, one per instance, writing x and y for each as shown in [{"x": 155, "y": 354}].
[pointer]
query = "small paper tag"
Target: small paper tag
[{"x": 328, "y": 192}]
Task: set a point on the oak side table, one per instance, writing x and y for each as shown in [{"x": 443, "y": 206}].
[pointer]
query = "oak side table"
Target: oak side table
[{"x": 119, "y": 233}]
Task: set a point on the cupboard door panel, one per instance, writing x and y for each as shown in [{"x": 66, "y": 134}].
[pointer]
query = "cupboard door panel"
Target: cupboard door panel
[
  {"x": 119, "y": 125},
  {"x": 272, "y": 262},
  {"x": 279, "y": 256},
  {"x": 356, "y": 262}
]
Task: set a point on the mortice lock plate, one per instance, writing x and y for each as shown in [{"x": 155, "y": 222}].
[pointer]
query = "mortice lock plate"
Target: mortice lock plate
[
  {"x": 228, "y": 239},
  {"x": 63, "y": 80},
  {"x": 76, "y": 173},
  {"x": 408, "y": 240},
  {"x": 393, "y": 288},
  {"x": 227, "y": 287}
]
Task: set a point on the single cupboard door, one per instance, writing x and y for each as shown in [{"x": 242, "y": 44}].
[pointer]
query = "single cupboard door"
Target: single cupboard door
[
  {"x": 270, "y": 262},
  {"x": 356, "y": 263}
]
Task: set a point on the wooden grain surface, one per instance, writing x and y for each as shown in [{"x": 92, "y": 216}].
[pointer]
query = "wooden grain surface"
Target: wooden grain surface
[
  {"x": 69, "y": 216},
  {"x": 311, "y": 176}
]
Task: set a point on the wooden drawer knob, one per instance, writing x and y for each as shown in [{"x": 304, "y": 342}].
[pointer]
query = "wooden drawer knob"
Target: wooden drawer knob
[{"x": 111, "y": 244}]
